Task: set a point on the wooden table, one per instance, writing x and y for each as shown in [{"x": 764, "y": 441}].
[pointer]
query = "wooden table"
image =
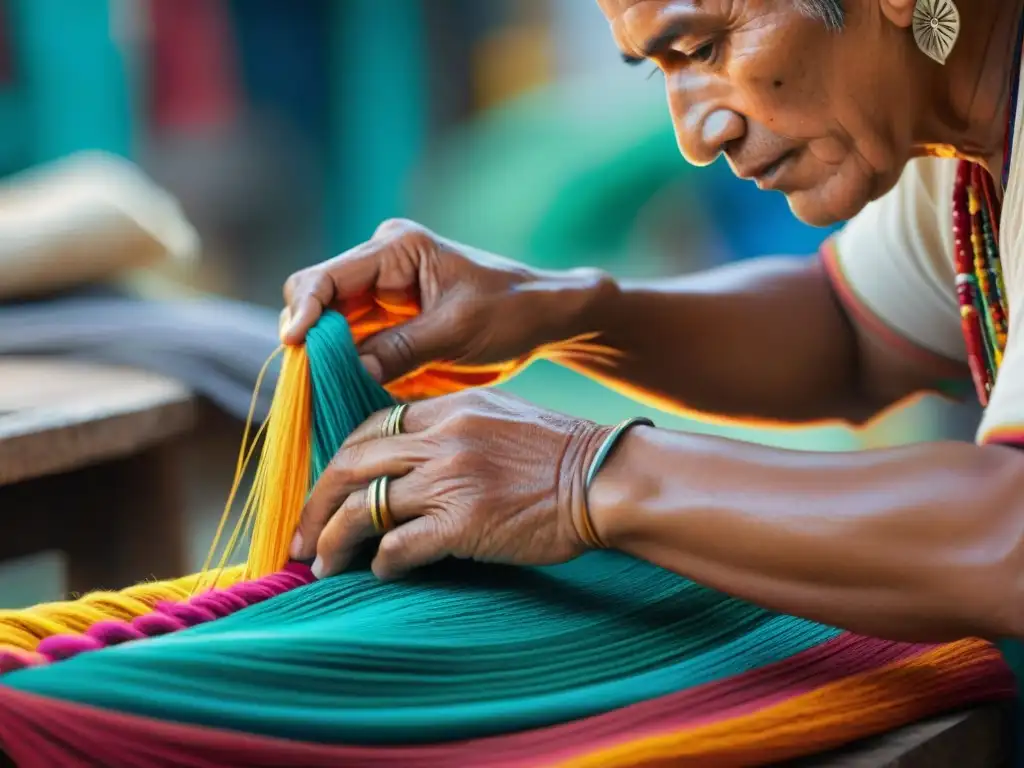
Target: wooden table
[
  {"x": 89, "y": 467},
  {"x": 979, "y": 738}
]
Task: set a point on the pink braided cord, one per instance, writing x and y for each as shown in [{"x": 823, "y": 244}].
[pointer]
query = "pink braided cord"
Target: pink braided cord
[{"x": 166, "y": 617}]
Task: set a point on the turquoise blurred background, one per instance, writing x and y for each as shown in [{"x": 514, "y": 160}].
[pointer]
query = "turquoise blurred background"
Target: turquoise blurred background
[{"x": 290, "y": 129}]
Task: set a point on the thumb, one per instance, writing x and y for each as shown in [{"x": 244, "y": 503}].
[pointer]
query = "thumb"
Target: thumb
[{"x": 403, "y": 348}]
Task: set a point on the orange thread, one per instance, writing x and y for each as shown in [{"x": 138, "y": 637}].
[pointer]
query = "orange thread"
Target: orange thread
[{"x": 831, "y": 716}]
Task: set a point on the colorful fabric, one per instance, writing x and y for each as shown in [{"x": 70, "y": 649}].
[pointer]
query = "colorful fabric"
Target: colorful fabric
[
  {"x": 749, "y": 719},
  {"x": 603, "y": 661},
  {"x": 604, "y": 656}
]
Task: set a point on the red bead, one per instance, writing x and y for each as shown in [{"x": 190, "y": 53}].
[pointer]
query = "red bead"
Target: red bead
[{"x": 974, "y": 258}]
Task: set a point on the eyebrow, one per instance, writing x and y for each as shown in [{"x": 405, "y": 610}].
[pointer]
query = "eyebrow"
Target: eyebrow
[{"x": 657, "y": 44}]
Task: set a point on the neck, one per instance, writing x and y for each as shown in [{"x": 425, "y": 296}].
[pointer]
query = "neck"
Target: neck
[{"x": 971, "y": 93}]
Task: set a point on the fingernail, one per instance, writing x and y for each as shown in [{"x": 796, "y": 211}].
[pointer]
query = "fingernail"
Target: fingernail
[
  {"x": 318, "y": 568},
  {"x": 373, "y": 367},
  {"x": 296, "y": 549}
]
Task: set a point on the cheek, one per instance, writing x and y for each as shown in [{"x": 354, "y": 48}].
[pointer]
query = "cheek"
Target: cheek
[
  {"x": 807, "y": 95},
  {"x": 780, "y": 75},
  {"x": 792, "y": 101},
  {"x": 788, "y": 102},
  {"x": 829, "y": 150}
]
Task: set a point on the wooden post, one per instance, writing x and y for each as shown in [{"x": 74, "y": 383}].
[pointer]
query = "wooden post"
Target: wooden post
[{"x": 89, "y": 466}]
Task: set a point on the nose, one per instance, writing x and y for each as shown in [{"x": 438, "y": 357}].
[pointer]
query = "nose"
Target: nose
[{"x": 703, "y": 129}]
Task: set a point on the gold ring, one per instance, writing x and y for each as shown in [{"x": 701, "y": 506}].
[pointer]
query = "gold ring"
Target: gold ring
[
  {"x": 392, "y": 424},
  {"x": 377, "y": 501}
]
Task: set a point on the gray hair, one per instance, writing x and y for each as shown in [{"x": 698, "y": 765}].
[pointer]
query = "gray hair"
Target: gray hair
[{"x": 829, "y": 11}]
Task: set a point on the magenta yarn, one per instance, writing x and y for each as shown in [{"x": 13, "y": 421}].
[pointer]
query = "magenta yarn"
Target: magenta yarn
[
  {"x": 187, "y": 613},
  {"x": 252, "y": 592},
  {"x": 114, "y": 632},
  {"x": 60, "y": 647},
  {"x": 166, "y": 618},
  {"x": 221, "y": 603},
  {"x": 156, "y": 624}
]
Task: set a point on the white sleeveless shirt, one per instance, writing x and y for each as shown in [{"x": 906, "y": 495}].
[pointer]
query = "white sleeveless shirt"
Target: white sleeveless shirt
[{"x": 893, "y": 266}]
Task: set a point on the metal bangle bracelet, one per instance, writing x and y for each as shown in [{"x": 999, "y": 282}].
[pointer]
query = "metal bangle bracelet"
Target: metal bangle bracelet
[{"x": 598, "y": 461}]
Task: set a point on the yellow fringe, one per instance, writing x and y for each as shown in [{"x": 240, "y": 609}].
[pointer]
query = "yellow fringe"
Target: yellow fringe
[
  {"x": 270, "y": 513},
  {"x": 283, "y": 473}
]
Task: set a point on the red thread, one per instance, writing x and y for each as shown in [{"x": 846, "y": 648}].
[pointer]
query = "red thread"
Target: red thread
[
  {"x": 16, "y": 658},
  {"x": 41, "y": 731}
]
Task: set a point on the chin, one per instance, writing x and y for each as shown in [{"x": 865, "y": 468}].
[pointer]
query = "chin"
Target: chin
[
  {"x": 809, "y": 209},
  {"x": 830, "y": 203}
]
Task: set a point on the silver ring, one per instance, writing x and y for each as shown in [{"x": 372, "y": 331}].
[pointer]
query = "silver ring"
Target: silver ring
[
  {"x": 377, "y": 501},
  {"x": 392, "y": 424}
]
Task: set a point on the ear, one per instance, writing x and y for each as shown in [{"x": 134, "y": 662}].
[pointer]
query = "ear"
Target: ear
[{"x": 899, "y": 12}]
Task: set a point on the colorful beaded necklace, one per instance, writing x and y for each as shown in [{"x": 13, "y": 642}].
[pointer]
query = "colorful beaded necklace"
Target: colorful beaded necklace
[{"x": 977, "y": 208}]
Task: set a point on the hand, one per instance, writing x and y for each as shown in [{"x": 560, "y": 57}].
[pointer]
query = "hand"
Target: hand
[
  {"x": 431, "y": 316},
  {"x": 478, "y": 475}
]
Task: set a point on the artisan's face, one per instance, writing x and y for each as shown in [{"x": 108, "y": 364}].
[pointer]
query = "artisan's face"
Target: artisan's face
[{"x": 823, "y": 116}]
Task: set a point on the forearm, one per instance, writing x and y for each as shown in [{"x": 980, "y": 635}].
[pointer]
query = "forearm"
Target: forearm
[
  {"x": 762, "y": 340},
  {"x": 917, "y": 544}
]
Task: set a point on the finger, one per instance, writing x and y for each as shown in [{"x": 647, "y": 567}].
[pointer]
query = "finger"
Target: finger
[
  {"x": 414, "y": 545},
  {"x": 351, "y": 469},
  {"x": 352, "y": 524},
  {"x": 372, "y": 366},
  {"x": 339, "y": 541},
  {"x": 307, "y": 293},
  {"x": 436, "y": 334},
  {"x": 342, "y": 278},
  {"x": 417, "y": 417}
]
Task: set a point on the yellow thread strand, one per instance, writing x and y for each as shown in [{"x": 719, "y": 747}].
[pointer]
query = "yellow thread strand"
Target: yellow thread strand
[
  {"x": 271, "y": 512},
  {"x": 243, "y": 527},
  {"x": 245, "y": 454},
  {"x": 118, "y": 605},
  {"x": 17, "y": 638},
  {"x": 24, "y": 629},
  {"x": 212, "y": 578},
  {"x": 285, "y": 467}
]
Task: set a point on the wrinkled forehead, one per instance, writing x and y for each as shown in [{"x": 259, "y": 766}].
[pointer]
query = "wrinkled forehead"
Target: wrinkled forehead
[
  {"x": 629, "y": 16},
  {"x": 615, "y": 9}
]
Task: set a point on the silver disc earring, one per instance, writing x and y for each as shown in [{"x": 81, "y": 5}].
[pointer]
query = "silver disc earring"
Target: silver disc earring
[{"x": 936, "y": 28}]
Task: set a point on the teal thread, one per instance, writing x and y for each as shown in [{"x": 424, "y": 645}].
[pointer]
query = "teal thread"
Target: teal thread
[{"x": 460, "y": 650}]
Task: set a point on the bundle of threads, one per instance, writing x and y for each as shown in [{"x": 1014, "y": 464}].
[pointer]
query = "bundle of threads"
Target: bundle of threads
[
  {"x": 293, "y": 453},
  {"x": 322, "y": 394},
  {"x": 603, "y": 661}
]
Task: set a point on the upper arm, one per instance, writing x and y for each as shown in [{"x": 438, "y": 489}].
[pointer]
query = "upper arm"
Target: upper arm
[{"x": 892, "y": 269}]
